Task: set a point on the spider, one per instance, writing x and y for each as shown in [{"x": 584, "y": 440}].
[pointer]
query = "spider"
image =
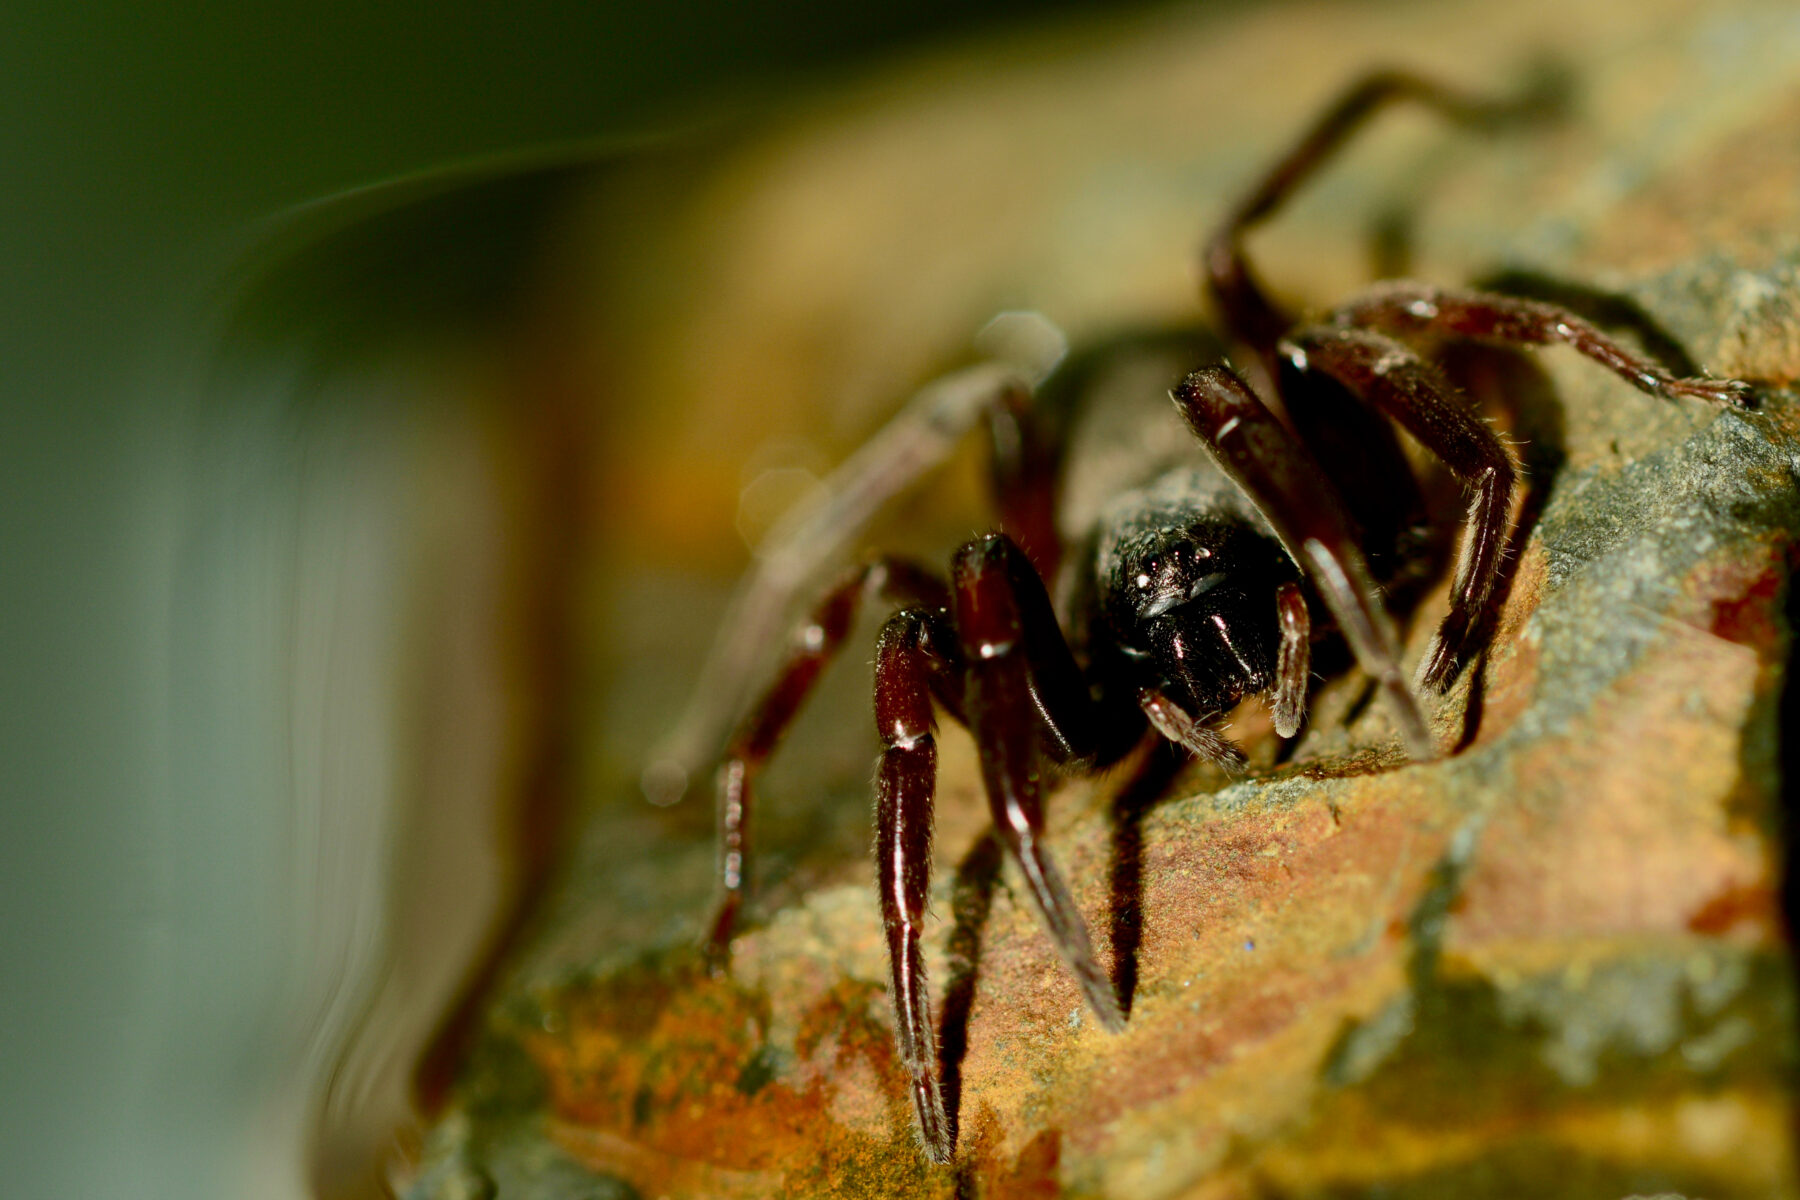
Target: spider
[{"x": 1197, "y": 584}]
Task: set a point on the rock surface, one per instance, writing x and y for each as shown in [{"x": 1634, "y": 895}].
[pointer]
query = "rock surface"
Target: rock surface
[{"x": 1552, "y": 964}]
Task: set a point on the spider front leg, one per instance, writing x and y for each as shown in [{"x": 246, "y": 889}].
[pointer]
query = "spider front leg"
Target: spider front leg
[
  {"x": 1024, "y": 697},
  {"x": 916, "y": 651},
  {"x": 815, "y": 643},
  {"x": 1280, "y": 476}
]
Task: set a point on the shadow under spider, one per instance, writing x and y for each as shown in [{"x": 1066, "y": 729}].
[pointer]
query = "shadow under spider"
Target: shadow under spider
[
  {"x": 1513, "y": 387},
  {"x": 971, "y": 896},
  {"x": 1148, "y": 784}
]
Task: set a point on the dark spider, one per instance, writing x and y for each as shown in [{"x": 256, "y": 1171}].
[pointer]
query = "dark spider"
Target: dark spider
[{"x": 1197, "y": 586}]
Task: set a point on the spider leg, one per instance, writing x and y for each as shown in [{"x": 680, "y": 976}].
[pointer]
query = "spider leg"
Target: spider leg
[
  {"x": 1394, "y": 380},
  {"x": 1280, "y": 476},
  {"x": 800, "y": 548},
  {"x": 917, "y": 648},
  {"x": 1418, "y": 309},
  {"x": 1183, "y": 728},
  {"x": 815, "y": 643},
  {"x": 1025, "y": 697},
  {"x": 1293, "y": 661},
  {"x": 1248, "y": 313},
  {"x": 1023, "y": 474}
]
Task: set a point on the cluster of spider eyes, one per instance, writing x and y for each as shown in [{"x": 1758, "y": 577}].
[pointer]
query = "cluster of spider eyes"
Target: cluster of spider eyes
[{"x": 1181, "y": 556}]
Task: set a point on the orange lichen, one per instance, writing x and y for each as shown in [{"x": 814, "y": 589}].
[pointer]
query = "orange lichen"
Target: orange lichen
[{"x": 668, "y": 1078}]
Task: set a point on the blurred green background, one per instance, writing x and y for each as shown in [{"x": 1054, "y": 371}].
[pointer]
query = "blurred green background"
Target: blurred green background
[{"x": 146, "y": 147}]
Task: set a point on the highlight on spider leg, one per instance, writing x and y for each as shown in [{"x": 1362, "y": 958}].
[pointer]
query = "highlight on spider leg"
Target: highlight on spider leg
[
  {"x": 733, "y": 849},
  {"x": 937, "y": 1136},
  {"x": 1438, "y": 669},
  {"x": 1485, "y": 534},
  {"x": 1713, "y": 391}
]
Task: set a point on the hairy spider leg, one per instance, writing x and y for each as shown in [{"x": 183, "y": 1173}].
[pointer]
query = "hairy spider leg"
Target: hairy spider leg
[
  {"x": 1180, "y": 726},
  {"x": 814, "y": 644},
  {"x": 917, "y": 648},
  {"x": 1287, "y": 485},
  {"x": 1392, "y": 379},
  {"x": 1026, "y": 700},
  {"x": 1250, "y": 316},
  {"x": 1416, "y": 309}
]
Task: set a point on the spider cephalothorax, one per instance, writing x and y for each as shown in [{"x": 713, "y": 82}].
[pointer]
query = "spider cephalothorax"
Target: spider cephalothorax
[
  {"x": 1184, "y": 598},
  {"x": 1201, "y": 582}
]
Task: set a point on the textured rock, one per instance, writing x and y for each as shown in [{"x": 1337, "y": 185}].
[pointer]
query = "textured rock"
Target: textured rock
[{"x": 1551, "y": 964}]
